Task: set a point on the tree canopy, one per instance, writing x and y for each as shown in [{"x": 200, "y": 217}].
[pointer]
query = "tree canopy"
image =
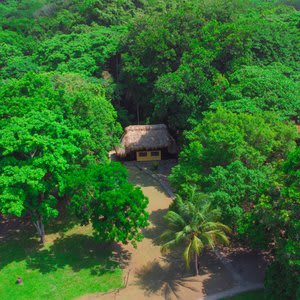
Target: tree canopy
[
  {"x": 223, "y": 75},
  {"x": 50, "y": 124}
]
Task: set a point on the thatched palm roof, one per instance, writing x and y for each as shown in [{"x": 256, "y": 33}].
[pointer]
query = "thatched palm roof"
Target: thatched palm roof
[{"x": 146, "y": 137}]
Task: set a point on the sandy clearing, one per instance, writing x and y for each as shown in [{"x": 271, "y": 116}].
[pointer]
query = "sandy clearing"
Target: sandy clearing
[{"x": 151, "y": 276}]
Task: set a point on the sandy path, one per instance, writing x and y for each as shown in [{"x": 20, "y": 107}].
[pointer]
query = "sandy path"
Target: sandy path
[{"x": 150, "y": 276}]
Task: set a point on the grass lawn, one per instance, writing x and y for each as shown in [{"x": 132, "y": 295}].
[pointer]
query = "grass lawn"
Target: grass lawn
[
  {"x": 71, "y": 264},
  {"x": 252, "y": 295}
]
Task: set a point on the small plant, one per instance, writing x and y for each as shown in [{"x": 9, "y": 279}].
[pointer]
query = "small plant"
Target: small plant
[{"x": 155, "y": 166}]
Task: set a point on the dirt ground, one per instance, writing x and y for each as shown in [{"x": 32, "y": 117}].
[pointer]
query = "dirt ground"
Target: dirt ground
[
  {"x": 249, "y": 264},
  {"x": 148, "y": 275}
]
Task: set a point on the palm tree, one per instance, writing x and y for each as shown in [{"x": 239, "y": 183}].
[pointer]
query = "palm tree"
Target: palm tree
[{"x": 193, "y": 223}]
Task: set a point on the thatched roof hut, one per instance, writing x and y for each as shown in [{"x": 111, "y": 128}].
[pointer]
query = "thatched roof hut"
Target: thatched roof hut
[{"x": 146, "y": 137}]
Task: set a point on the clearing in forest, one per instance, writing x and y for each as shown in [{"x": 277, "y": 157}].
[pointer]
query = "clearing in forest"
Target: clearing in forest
[{"x": 152, "y": 276}]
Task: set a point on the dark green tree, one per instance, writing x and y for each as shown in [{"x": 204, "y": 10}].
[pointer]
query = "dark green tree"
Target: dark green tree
[
  {"x": 256, "y": 89},
  {"x": 233, "y": 157},
  {"x": 85, "y": 53},
  {"x": 36, "y": 150},
  {"x": 50, "y": 124},
  {"x": 103, "y": 196},
  {"x": 274, "y": 224}
]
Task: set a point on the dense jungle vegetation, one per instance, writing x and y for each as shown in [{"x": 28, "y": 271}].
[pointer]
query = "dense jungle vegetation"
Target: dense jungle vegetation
[{"x": 224, "y": 75}]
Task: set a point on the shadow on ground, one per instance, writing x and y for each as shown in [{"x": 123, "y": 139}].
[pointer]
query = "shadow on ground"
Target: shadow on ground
[
  {"x": 167, "y": 280},
  {"x": 157, "y": 227},
  {"x": 137, "y": 177},
  {"x": 214, "y": 276},
  {"x": 18, "y": 237},
  {"x": 19, "y": 242},
  {"x": 249, "y": 264},
  {"x": 172, "y": 280},
  {"x": 78, "y": 252}
]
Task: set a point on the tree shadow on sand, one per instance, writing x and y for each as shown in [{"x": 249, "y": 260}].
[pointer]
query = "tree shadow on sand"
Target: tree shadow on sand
[
  {"x": 78, "y": 252},
  {"x": 157, "y": 227},
  {"x": 173, "y": 281},
  {"x": 165, "y": 279},
  {"x": 214, "y": 276}
]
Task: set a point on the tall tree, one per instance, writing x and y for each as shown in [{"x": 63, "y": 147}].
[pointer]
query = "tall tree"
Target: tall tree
[
  {"x": 102, "y": 195},
  {"x": 256, "y": 89},
  {"x": 87, "y": 53},
  {"x": 50, "y": 124},
  {"x": 193, "y": 224},
  {"x": 274, "y": 224},
  {"x": 223, "y": 137},
  {"x": 36, "y": 150}
]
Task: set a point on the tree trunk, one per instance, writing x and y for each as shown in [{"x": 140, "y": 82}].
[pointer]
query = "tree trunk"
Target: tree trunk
[
  {"x": 196, "y": 264},
  {"x": 39, "y": 225},
  {"x": 138, "y": 113}
]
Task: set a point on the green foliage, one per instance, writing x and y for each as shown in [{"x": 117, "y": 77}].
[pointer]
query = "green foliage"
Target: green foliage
[
  {"x": 18, "y": 66},
  {"x": 49, "y": 125},
  {"x": 108, "y": 12},
  {"x": 189, "y": 65},
  {"x": 86, "y": 108},
  {"x": 260, "y": 37},
  {"x": 294, "y": 3},
  {"x": 190, "y": 170},
  {"x": 275, "y": 220},
  {"x": 36, "y": 149},
  {"x": 256, "y": 89},
  {"x": 174, "y": 62},
  {"x": 103, "y": 196},
  {"x": 292, "y": 169},
  {"x": 282, "y": 280},
  {"x": 155, "y": 48},
  {"x": 85, "y": 52},
  {"x": 46, "y": 17},
  {"x": 81, "y": 103},
  {"x": 236, "y": 188},
  {"x": 226, "y": 137},
  {"x": 187, "y": 92},
  {"x": 233, "y": 157},
  {"x": 193, "y": 224},
  {"x": 14, "y": 58}
]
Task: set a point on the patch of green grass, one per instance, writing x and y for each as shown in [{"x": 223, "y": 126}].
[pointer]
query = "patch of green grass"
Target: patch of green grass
[
  {"x": 72, "y": 264},
  {"x": 252, "y": 295}
]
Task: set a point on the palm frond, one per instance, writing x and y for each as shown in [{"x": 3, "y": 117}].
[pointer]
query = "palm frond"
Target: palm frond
[
  {"x": 168, "y": 246},
  {"x": 167, "y": 235},
  {"x": 222, "y": 238},
  {"x": 181, "y": 236},
  {"x": 224, "y": 227},
  {"x": 194, "y": 223},
  {"x": 207, "y": 226},
  {"x": 174, "y": 220},
  {"x": 197, "y": 245},
  {"x": 216, "y": 225},
  {"x": 207, "y": 239},
  {"x": 187, "y": 255}
]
